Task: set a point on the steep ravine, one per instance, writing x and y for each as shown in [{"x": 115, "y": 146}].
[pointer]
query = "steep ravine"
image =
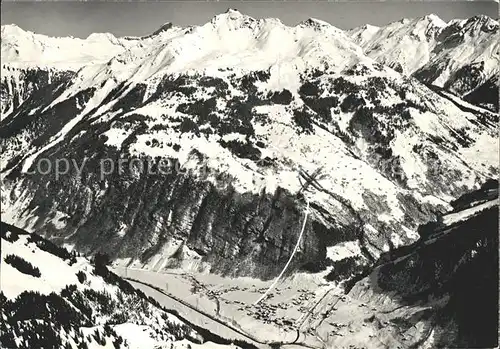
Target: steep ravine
[{"x": 447, "y": 280}]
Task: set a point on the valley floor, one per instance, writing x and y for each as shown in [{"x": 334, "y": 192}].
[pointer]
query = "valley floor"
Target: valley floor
[{"x": 302, "y": 311}]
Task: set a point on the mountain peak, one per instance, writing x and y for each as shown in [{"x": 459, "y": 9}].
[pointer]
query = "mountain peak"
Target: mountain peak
[
  {"x": 12, "y": 29},
  {"x": 230, "y": 13},
  {"x": 370, "y": 26},
  {"x": 232, "y": 19},
  {"x": 434, "y": 19},
  {"x": 481, "y": 21},
  {"x": 166, "y": 26},
  {"x": 314, "y": 22},
  {"x": 101, "y": 37},
  {"x": 233, "y": 11}
]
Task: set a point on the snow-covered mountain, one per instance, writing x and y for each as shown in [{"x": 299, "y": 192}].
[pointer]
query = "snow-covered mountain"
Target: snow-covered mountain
[
  {"x": 23, "y": 48},
  {"x": 238, "y": 147},
  {"x": 31, "y": 62},
  {"x": 52, "y": 298},
  {"x": 404, "y": 45},
  {"x": 460, "y": 56},
  {"x": 257, "y": 120}
]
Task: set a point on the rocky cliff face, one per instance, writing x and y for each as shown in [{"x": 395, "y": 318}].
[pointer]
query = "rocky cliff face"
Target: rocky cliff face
[
  {"x": 247, "y": 143},
  {"x": 19, "y": 85},
  {"x": 486, "y": 95}
]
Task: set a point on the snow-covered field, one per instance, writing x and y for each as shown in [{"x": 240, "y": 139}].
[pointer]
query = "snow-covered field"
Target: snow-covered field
[{"x": 303, "y": 309}]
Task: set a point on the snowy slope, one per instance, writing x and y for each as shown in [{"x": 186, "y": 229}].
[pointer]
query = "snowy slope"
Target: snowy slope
[
  {"x": 459, "y": 55},
  {"x": 259, "y": 126},
  {"x": 23, "y": 48},
  {"x": 230, "y": 44},
  {"x": 71, "y": 302},
  {"x": 404, "y": 45},
  {"x": 33, "y": 61}
]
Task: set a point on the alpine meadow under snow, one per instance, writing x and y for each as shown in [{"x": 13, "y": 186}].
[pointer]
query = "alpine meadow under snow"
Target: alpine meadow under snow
[{"x": 353, "y": 157}]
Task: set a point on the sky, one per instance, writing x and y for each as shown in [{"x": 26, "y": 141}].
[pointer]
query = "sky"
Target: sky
[{"x": 79, "y": 19}]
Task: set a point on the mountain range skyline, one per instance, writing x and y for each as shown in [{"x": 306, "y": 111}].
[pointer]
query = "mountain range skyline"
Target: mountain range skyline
[
  {"x": 206, "y": 178},
  {"x": 138, "y": 19}
]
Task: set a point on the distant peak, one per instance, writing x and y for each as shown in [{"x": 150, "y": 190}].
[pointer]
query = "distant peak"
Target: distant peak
[
  {"x": 12, "y": 28},
  {"x": 166, "y": 26},
  {"x": 315, "y": 23},
  {"x": 232, "y": 18},
  {"x": 233, "y": 11},
  {"x": 101, "y": 36},
  {"x": 481, "y": 22},
  {"x": 368, "y": 27},
  {"x": 481, "y": 19},
  {"x": 233, "y": 14},
  {"x": 434, "y": 19}
]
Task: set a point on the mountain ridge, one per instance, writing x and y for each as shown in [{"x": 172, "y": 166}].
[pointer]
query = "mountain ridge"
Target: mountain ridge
[
  {"x": 445, "y": 54},
  {"x": 206, "y": 159},
  {"x": 433, "y": 60},
  {"x": 262, "y": 122}
]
